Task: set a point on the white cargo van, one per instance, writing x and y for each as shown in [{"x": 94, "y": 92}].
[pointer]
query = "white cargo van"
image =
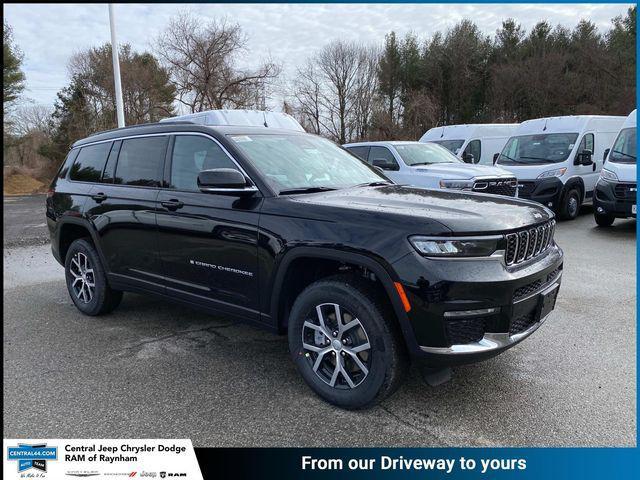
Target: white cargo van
[
  {"x": 473, "y": 143},
  {"x": 557, "y": 160},
  {"x": 616, "y": 189},
  {"x": 240, "y": 117}
]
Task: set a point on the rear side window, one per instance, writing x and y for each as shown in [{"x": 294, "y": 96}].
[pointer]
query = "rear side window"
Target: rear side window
[
  {"x": 141, "y": 161},
  {"x": 191, "y": 155},
  {"x": 360, "y": 152},
  {"x": 90, "y": 163},
  {"x": 68, "y": 161}
]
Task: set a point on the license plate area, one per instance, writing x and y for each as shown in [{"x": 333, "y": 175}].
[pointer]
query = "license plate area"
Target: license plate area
[{"x": 547, "y": 302}]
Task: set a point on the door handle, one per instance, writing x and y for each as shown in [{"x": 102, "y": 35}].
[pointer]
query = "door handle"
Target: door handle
[
  {"x": 172, "y": 204},
  {"x": 99, "y": 197}
]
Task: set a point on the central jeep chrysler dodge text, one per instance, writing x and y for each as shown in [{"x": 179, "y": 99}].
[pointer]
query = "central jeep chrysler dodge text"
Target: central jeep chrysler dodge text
[{"x": 291, "y": 232}]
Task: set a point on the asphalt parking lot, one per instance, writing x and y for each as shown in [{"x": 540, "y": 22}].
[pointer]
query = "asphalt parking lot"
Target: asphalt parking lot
[{"x": 155, "y": 369}]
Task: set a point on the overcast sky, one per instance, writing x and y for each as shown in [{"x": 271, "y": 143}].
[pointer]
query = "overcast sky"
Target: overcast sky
[{"x": 49, "y": 34}]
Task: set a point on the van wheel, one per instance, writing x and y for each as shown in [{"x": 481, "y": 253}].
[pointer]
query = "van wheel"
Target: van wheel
[
  {"x": 87, "y": 282},
  {"x": 345, "y": 342},
  {"x": 604, "y": 220},
  {"x": 570, "y": 207}
]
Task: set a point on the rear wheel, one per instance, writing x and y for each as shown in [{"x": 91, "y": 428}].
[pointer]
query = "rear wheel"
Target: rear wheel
[
  {"x": 87, "y": 281},
  {"x": 570, "y": 206},
  {"x": 345, "y": 343},
  {"x": 604, "y": 220}
]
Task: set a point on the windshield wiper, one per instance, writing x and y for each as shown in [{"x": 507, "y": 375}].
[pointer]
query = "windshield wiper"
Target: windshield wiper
[
  {"x": 373, "y": 184},
  {"x": 545, "y": 160},
  {"x": 290, "y": 191},
  {"x": 508, "y": 158},
  {"x": 625, "y": 154}
]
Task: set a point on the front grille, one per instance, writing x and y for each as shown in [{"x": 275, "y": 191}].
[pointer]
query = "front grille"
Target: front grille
[
  {"x": 461, "y": 332},
  {"x": 525, "y": 189},
  {"x": 497, "y": 186},
  {"x": 522, "y": 323},
  {"x": 529, "y": 243},
  {"x": 533, "y": 287},
  {"x": 625, "y": 191}
]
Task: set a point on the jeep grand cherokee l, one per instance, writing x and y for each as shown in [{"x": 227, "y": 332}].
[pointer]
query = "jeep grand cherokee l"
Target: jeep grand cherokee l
[{"x": 291, "y": 232}]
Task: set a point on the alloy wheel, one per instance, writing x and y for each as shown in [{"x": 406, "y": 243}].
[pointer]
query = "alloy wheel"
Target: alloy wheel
[
  {"x": 336, "y": 346},
  {"x": 83, "y": 283}
]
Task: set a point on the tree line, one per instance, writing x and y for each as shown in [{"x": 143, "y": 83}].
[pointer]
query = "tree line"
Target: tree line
[{"x": 346, "y": 91}]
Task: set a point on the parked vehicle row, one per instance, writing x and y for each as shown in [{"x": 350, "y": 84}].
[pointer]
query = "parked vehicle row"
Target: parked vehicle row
[
  {"x": 429, "y": 165},
  {"x": 293, "y": 233}
]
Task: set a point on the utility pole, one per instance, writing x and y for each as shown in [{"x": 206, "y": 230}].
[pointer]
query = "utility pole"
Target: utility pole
[{"x": 116, "y": 68}]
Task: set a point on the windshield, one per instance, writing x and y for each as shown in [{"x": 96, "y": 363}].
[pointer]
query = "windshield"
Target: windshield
[
  {"x": 452, "y": 145},
  {"x": 538, "y": 149},
  {"x": 292, "y": 162},
  {"x": 414, "y": 154},
  {"x": 624, "y": 148}
]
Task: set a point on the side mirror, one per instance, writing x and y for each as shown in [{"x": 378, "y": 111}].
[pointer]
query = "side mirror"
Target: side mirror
[
  {"x": 584, "y": 158},
  {"x": 606, "y": 153},
  {"x": 385, "y": 164},
  {"x": 495, "y": 157},
  {"x": 468, "y": 158},
  {"x": 224, "y": 181}
]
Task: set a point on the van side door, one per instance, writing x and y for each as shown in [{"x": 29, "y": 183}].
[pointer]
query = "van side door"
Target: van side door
[
  {"x": 208, "y": 242},
  {"x": 590, "y": 172}
]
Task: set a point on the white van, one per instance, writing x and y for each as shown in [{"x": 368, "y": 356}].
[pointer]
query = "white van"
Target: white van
[
  {"x": 616, "y": 188},
  {"x": 237, "y": 118},
  {"x": 557, "y": 160},
  {"x": 473, "y": 143},
  {"x": 428, "y": 165}
]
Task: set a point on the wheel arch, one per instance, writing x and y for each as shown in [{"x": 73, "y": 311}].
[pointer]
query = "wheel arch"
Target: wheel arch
[
  {"x": 71, "y": 229},
  {"x": 277, "y": 305},
  {"x": 574, "y": 182}
]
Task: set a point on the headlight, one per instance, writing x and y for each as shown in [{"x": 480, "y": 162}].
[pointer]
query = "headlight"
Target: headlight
[
  {"x": 456, "y": 247},
  {"x": 457, "y": 184},
  {"x": 608, "y": 175},
  {"x": 558, "y": 172}
]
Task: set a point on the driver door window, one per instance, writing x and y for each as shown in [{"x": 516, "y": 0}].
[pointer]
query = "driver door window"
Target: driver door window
[
  {"x": 474, "y": 149},
  {"x": 586, "y": 143},
  {"x": 192, "y": 154},
  {"x": 385, "y": 155}
]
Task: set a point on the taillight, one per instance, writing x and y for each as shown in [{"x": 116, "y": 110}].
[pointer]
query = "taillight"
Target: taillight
[{"x": 50, "y": 192}]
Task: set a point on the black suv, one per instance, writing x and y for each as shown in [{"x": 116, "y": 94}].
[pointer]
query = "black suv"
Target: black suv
[{"x": 293, "y": 233}]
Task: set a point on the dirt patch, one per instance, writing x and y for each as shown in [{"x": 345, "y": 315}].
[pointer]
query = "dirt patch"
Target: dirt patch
[{"x": 21, "y": 184}]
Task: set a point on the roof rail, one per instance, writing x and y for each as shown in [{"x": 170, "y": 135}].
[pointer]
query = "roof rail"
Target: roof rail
[{"x": 166, "y": 122}]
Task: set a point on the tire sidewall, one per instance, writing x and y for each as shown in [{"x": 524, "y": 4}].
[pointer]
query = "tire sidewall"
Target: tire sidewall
[
  {"x": 95, "y": 305},
  {"x": 351, "y": 299},
  {"x": 571, "y": 193}
]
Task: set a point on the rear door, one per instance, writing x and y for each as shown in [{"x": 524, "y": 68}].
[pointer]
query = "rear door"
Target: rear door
[
  {"x": 123, "y": 208},
  {"x": 207, "y": 242}
]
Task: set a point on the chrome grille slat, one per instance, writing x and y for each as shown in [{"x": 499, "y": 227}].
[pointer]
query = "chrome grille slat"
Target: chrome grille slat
[{"x": 529, "y": 243}]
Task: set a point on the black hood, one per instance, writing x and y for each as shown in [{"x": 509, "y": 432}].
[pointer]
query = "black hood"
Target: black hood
[{"x": 460, "y": 212}]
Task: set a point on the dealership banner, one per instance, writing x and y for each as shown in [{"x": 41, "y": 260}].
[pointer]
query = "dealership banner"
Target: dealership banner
[{"x": 99, "y": 458}]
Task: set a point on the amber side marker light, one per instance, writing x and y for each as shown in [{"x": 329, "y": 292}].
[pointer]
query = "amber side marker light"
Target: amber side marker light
[{"x": 403, "y": 296}]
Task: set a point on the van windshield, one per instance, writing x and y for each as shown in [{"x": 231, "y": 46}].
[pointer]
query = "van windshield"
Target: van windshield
[
  {"x": 624, "y": 148},
  {"x": 538, "y": 149},
  {"x": 414, "y": 154},
  {"x": 299, "y": 162},
  {"x": 452, "y": 145}
]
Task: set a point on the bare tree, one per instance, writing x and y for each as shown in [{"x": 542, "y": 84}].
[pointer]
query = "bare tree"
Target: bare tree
[
  {"x": 307, "y": 93},
  {"x": 31, "y": 117},
  {"x": 202, "y": 58}
]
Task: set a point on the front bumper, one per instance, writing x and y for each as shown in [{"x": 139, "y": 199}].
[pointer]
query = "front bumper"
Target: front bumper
[
  {"x": 547, "y": 191},
  {"x": 511, "y": 296},
  {"x": 615, "y": 198}
]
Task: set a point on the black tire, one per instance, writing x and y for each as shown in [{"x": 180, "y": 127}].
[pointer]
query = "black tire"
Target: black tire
[
  {"x": 386, "y": 360},
  {"x": 570, "y": 207},
  {"x": 603, "y": 220},
  {"x": 102, "y": 298}
]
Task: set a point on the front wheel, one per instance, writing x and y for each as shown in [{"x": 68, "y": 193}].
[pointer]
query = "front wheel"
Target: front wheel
[
  {"x": 570, "y": 206},
  {"x": 603, "y": 220},
  {"x": 87, "y": 281},
  {"x": 345, "y": 342}
]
